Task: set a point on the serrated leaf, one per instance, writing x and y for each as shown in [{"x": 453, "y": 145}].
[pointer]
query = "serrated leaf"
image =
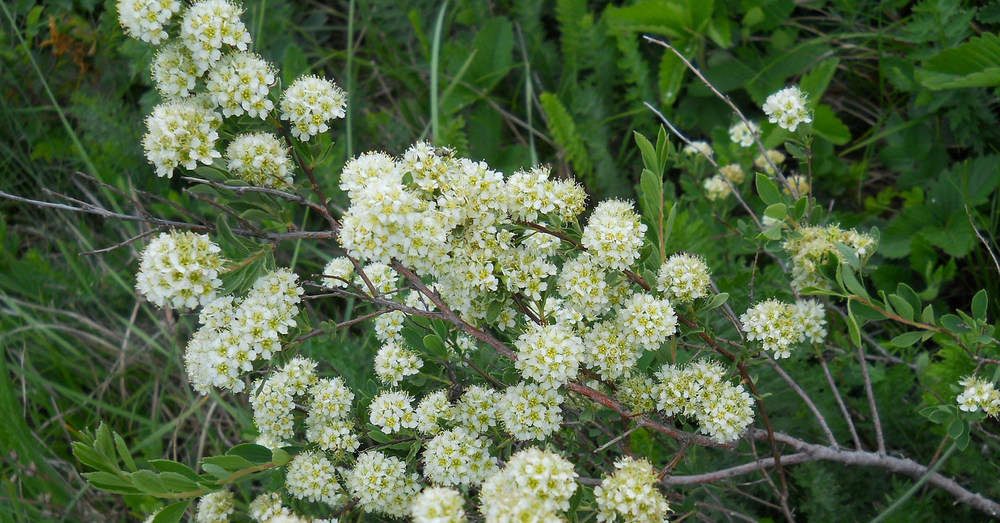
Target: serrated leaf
[
  {"x": 828, "y": 125},
  {"x": 565, "y": 134},
  {"x": 172, "y": 513},
  {"x": 815, "y": 82},
  {"x": 255, "y": 454},
  {"x": 975, "y": 63},
  {"x": 767, "y": 190},
  {"x": 907, "y": 339}
]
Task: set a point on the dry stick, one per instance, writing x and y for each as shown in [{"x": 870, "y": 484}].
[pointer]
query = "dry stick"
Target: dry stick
[
  {"x": 840, "y": 402},
  {"x": 812, "y": 452},
  {"x": 239, "y": 190},
  {"x": 805, "y": 397},
  {"x": 127, "y": 241},
  {"x": 685, "y": 139},
  {"x": 876, "y": 420},
  {"x": 225, "y": 209},
  {"x": 724, "y": 98}
]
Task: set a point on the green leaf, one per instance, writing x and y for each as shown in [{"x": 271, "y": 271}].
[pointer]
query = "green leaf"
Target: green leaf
[
  {"x": 165, "y": 465},
  {"x": 979, "y": 302},
  {"x": 216, "y": 471},
  {"x": 716, "y": 301},
  {"x": 815, "y": 82},
  {"x": 954, "y": 324},
  {"x": 903, "y": 307},
  {"x": 255, "y": 454},
  {"x": 493, "y": 311},
  {"x": 494, "y": 49},
  {"x": 938, "y": 414},
  {"x": 104, "y": 444},
  {"x": 91, "y": 458},
  {"x": 649, "y": 157},
  {"x": 854, "y": 330},
  {"x": 852, "y": 284},
  {"x": 767, "y": 190},
  {"x": 148, "y": 482},
  {"x": 280, "y": 457},
  {"x": 435, "y": 345},
  {"x": 178, "y": 482},
  {"x": 565, "y": 134},
  {"x": 975, "y": 63},
  {"x": 776, "y": 211},
  {"x": 172, "y": 513},
  {"x": 107, "y": 478},
  {"x": 827, "y": 125},
  {"x": 377, "y": 435},
  {"x": 228, "y": 462},
  {"x": 124, "y": 453},
  {"x": 907, "y": 338}
]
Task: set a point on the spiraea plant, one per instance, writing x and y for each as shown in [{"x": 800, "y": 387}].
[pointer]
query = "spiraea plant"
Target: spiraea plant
[{"x": 541, "y": 357}]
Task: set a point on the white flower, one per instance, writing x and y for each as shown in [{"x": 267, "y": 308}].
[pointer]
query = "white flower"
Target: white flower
[
  {"x": 787, "y": 108},
  {"x": 174, "y": 71},
  {"x": 606, "y": 350},
  {"x": 811, "y": 316},
  {"x": 614, "y": 234},
  {"x": 683, "y": 277},
  {"x": 536, "y": 485},
  {"x": 310, "y": 476},
  {"x": 549, "y": 354},
  {"x": 394, "y": 362},
  {"x": 215, "y": 507},
  {"x": 207, "y": 26},
  {"x": 530, "y": 411},
  {"x": 700, "y": 390},
  {"x": 716, "y": 188},
  {"x": 310, "y": 103},
  {"x": 477, "y": 409},
  {"x": 181, "y": 133},
  {"x": 646, "y": 321},
  {"x": 762, "y": 163},
  {"x": 438, "y": 505},
  {"x": 179, "y": 269},
  {"x": 261, "y": 159},
  {"x": 630, "y": 493},
  {"x": 392, "y": 411},
  {"x": 798, "y": 186},
  {"x": 458, "y": 457},
  {"x": 699, "y": 148},
  {"x": 381, "y": 485},
  {"x": 144, "y": 19},
  {"x": 239, "y": 84},
  {"x": 734, "y": 172},
  {"x": 361, "y": 170},
  {"x": 775, "y": 325},
  {"x": 979, "y": 394},
  {"x": 267, "y": 506},
  {"x": 582, "y": 284},
  {"x": 743, "y": 134}
]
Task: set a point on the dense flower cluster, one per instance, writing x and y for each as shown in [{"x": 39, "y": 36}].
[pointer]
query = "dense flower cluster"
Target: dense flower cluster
[
  {"x": 607, "y": 351},
  {"x": 614, "y": 234},
  {"x": 582, "y": 285},
  {"x": 260, "y": 159},
  {"x": 393, "y": 362},
  {"x": 742, "y": 133},
  {"x": 215, "y": 507},
  {"x": 530, "y": 411},
  {"x": 630, "y": 493},
  {"x": 787, "y": 108},
  {"x": 549, "y": 354},
  {"x": 699, "y": 148},
  {"x": 145, "y": 19},
  {"x": 432, "y": 410},
  {"x": 438, "y": 505},
  {"x": 174, "y": 71},
  {"x": 535, "y": 485},
  {"x": 181, "y": 133},
  {"x": 329, "y": 424},
  {"x": 762, "y": 162},
  {"x": 700, "y": 390},
  {"x": 210, "y": 26},
  {"x": 683, "y": 278},
  {"x": 797, "y": 187},
  {"x": 310, "y": 476},
  {"x": 734, "y": 172},
  {"x": 458, "y": 457},
  {"x": 716, "y": 188},
  {"x": 811, "y": 246},
  {"x": 235, "y": 333},
  {"x": 179, "y": 269},
  {"x": 310, "y": 103},
  {"x": 273, "y": 400},
  {"x": 239, "y": 84},
  {"x": 778, "y": 325},
  {"x": 979, "y": 394},
  {"x": 646, "y": 321},
  {"x": 477, "y": 408},
  {"x": 381, "y": 484},
  {"x": 392, "y": 411}
]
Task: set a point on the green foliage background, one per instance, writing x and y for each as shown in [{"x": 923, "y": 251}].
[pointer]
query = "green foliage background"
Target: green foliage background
[{"x": 907, "y": 124}]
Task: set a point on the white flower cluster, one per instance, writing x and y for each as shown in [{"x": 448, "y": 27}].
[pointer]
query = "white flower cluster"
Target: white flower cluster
[
  {"x": 607, "y": 351},
  {"x": 811, "y": 246},
  {"x": 432, "y": 410},
  {"x": 310, "y": 476},
  {"x": 381, "y": 485},
  {"x": 310, "y": 103},
  {"x": 549, "y": 354},
  {"x": 208, "y": 26},
  {"x": 329, "y": 423},
  {"x": 646, "y": 321},
  {"x": 438, "y": 505},
  {"x": 174, "y": 71},
  {"x": 614, "y": 234},
  {"x": 215, "y": 507},
  {"x": 778, "y": 325},
  {"x": 532, "y": 193},
  {"x": 699, "y": 148},
  {"x": 181, "y": 133},
  {"x": 458, "y": 457},
  {"x": 716, "y": 188},
  {"x": 734, "y": 172},
  {"x": 762, "y": 163},
  {"x": 477, "y": 409},
  {"x": 787, "y": 108},
  {"x": 234, "y": 334},
  {"x": 392, "y": 411},
  {"x": 582, "y": 285},
  {"x": 635, "y": 389},
  {"x": 683, "y": 278},
  {"x": 742, "y": 133},
  {"x": 797, "y": 187},
  {"x": 239, "y": 83},
  {"x": 630, "y": 494},
  {"x": 535, "y": 485},
  {"x": 260, "y": 159},
  {"x": 338, "y": 272},
  {"x": 273, "y": 401},
  {"x": 700, "y": 390},
  {"x": 979, "y": 394},
  {"x": 145, "y": 19},
  {"x": 179, "y": 269},
  {"x": 394, "y": 361},
  {"x": 530, "y": 411}
]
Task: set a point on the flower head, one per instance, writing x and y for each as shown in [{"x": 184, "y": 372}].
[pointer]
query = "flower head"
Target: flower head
[
  {"x": 174, "y": 71},
  {"x": 630, "y": 493},
  {"x": 742, "y": 133},
  {"x": 787, "y": 108},
  {"x": 438, "y": 505},
  {"x": 208, "y": 26},
  {"x": 214, "y": 507},
  {"x": 181, "y": 133},
  {"x": 310, "y": 103},
  {"x": 683, "y": 277},
  {"x": 260, "y": 159},
  {"x": 179, "y": 269},
  {"x": 239, "y": 84},
  {"x": 614, "y": 234},
  {"x": 145, "y": 19},
  {"x": 381, "y": 485},
  {"x": 716, "y": 188}
]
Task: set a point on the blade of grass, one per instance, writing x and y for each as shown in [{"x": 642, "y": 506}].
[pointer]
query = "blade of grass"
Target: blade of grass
[{"x": 435, "y": 71}]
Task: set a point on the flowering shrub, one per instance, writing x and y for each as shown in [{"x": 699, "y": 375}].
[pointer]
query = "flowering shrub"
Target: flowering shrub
[{"x": 553, "y": 329}]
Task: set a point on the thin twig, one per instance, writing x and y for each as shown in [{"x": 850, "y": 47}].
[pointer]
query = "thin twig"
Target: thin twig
[
  {"x": 840, "y": 403},
  {"x": 805, "y": 397}
]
